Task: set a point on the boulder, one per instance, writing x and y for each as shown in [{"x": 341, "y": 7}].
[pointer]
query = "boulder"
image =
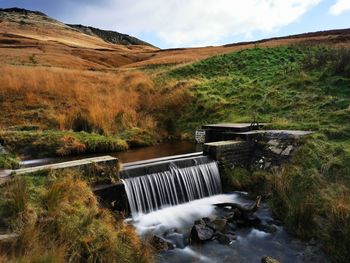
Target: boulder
[
  {"x": 228, "y": 215},
  {"x": 230, "y": 227},
  {"x": 160, "y": 244},
  {"x": 206, "y": 220},
  {"x": 177, "y": 239},
  {"x": 241, "y": 223},
  {"x": 273, "y": 142},
  {"x": 252, "y": 220},
  {"x": 269, "y": 260},
  {"x": 218, "y": 224},
  {"x": 201, "y": 232},
  {"x": 201, "y": 221},
  {"x": 267, "y": 165},
  {"x": 275, "y": 150},
  {"x": 225, "y": 239},
  {"x": 267, "y": 228},
  {"x": 287, "y": 151}
]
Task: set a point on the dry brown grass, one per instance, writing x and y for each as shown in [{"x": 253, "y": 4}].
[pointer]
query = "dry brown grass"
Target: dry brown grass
[
  {"x": 60, "y": 221},
  {"x": 18, "y": 49},
  {"x": 108, "y": 101},
  {"x": 188, "y": 55},
  {"x": 62, "y": 79},
  {"x": 337, "y": 234},
  {"x": 84, "y": 100}
]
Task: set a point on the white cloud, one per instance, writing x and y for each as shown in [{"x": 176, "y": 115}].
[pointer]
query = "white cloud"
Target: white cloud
[
  {"x": 339, "y": 7},
  {"x": 196, "y": 22}
]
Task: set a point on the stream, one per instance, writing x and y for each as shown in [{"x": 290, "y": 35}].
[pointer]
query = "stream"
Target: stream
[
  {"x": 174, "y": 224},
  {"x": 132, "y": 155}
]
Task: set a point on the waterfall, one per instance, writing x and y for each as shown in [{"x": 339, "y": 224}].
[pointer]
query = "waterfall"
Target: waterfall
[{"x": 151, "y": 192}]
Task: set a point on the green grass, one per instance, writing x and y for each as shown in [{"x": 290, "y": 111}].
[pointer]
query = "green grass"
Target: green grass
[
  {"x": 8, "y": 161},
  {"x": 60, "y": 143},
  {"x": 136, "y": 137},
  {"x": 296, "y": 87},
  {"x": 272, "y": 85},
  {"x": 242, "y": 179}
]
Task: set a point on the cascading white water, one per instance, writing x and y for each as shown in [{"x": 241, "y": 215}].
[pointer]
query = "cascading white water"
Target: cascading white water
[{"x": 178, "y": 185}]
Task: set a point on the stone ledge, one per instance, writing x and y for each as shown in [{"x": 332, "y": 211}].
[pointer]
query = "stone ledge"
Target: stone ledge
[
  {"x": 104, "y": 160},
  {"x": 227, "y": 144},
  {"x": 8, "y": 237}
]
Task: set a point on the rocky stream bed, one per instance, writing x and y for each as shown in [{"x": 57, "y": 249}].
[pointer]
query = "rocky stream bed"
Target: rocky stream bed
[{"x": 212, "y": 230}]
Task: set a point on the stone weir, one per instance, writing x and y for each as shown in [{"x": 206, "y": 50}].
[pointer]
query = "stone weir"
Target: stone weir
[
  {"x": 150, "y": 184},
  {"x": 249, "y": 144}
]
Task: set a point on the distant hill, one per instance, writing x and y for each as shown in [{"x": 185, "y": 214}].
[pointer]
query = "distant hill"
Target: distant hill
[
  {"x": 110, "y": 36},
  {"x": 25, "y": 33},
  {"x": 27, "y": 17},
  {"x": 21, "y": 11}
]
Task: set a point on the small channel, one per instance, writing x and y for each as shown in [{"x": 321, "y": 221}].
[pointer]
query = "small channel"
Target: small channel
[{"x": 132, "y": 155}]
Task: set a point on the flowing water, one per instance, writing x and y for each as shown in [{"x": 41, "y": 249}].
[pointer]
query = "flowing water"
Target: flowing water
[
  {"x": 174, "y": 224},
  {"x": 168, "y": 188},
  {"x": 166, "y": 204}
]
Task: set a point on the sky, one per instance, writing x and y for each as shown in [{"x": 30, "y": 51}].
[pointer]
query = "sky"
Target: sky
[{"x": 189, "y": 23}]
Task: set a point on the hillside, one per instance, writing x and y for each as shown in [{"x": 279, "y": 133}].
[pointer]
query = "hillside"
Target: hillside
[
  {"x": 40, "y": 25},
  {"x": 56, "y": 77},
  {"x": 25, "y": 33},
  {"x": 335, "y": 38},
  {"x": 297, "y": 87}
]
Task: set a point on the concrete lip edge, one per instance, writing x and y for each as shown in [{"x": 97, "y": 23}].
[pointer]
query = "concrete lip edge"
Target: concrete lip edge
[
  {"x": 165, "y": 158},
  {"x": 64, "y": 165}
]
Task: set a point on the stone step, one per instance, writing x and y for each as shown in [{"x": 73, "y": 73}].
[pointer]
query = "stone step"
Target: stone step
[{"x": 234, "y": 127}]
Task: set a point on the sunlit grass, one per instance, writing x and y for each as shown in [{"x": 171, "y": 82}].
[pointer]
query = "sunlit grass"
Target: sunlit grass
[{"x": 60, "y": 220}]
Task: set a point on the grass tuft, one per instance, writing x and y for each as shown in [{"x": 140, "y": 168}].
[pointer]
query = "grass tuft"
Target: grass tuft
[{"x": 59, "y": 220}]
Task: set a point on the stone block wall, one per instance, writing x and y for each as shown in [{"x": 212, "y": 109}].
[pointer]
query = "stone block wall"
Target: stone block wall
[{"x": 230, "y": 153}]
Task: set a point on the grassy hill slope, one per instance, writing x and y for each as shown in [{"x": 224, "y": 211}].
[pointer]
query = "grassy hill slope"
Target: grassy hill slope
[{"x": 301, "y": 87}]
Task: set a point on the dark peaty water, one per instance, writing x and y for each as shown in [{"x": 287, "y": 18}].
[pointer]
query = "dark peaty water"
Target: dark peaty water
[{"x": 131, "y": 155}]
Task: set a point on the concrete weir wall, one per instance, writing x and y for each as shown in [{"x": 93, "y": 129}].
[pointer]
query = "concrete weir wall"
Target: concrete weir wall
[
  {"x": 230, "y": 153},
  {"x": 114, "y": 195},
  {"x": 226, "y": 153},
  {"x": 157, "y": 165}
]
